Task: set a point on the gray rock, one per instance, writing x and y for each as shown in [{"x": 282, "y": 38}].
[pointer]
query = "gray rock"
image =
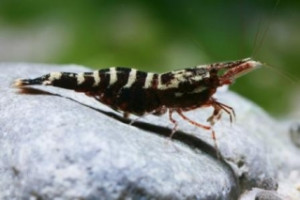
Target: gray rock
[
  {"x": 295, "y": 133},
  {"x": 266, "y": 195},
  {"x": 260, "y": 194},
  {"x": 59, "y": 144}
]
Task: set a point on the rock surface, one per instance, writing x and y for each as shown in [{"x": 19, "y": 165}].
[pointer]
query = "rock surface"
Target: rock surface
[{"x": 56, "y": 143}]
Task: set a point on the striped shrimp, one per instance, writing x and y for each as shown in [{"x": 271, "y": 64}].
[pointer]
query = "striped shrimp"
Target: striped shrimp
[{"x": 136, "y": 92}]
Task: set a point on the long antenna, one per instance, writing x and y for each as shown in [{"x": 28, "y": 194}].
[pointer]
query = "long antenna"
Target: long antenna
[
  {"x": 257, "y": 47},
  {"x": 287, "y": 76},
  {"x": 256, "y": 37}
]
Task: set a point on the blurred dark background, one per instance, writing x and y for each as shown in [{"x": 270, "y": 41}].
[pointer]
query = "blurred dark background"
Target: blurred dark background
[{"x": 163, "y": 35}]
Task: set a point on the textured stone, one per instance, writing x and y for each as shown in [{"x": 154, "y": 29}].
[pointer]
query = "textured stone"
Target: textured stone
[
  {"x": 259, "y": 194},
  {"x": 56, "y": 143}
]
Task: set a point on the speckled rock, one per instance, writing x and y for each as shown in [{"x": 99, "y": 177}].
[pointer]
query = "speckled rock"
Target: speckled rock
[{"x": 56, "y": 143}]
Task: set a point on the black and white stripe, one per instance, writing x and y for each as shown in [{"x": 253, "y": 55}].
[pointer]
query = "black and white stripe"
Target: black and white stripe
[
  {"x": 97, "y": 78},
  {"x": 131, "y": 78},
  {"x": 149, "y": 80},
  {"x": 112, "y": 76}
]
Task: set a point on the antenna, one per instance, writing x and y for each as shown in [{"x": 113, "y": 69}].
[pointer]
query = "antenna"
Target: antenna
[
  {"x": 287, "y": 76},
  {"x": 257, "y": 45},
  {"x": 259, "y": 41}
]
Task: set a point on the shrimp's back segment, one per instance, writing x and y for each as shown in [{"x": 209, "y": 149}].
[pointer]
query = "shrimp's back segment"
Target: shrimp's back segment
[{"x": 118, "y": 87}]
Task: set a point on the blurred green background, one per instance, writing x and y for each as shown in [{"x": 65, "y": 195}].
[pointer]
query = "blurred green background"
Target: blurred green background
[{"x": 163, "y": 35}]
